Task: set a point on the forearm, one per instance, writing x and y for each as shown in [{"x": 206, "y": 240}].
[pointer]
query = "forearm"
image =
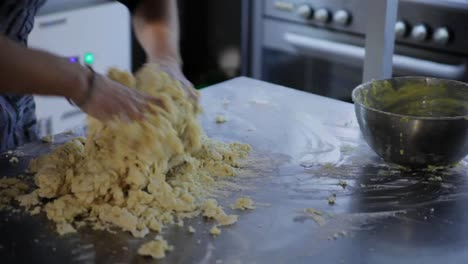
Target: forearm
[
  {"x": 28, "y": 71},
  {"x": 156, "y": 24}
]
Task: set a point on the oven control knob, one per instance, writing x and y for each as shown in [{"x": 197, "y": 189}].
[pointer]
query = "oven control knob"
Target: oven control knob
[
  {"x": 322, "y": 15},
  {"x": 342, "y": 17},
  {"x": 401, "y": 29},
  {"x": 305, "y": 11},
  {"x": 441, "y": 36},
  {"x": 420, "y": 33}
]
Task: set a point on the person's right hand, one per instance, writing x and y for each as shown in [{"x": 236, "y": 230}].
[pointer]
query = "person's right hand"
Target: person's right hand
[{"x": 110, "y": 100}]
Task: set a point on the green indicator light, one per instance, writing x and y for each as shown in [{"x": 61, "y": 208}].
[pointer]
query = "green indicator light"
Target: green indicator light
[{"x": 89, "y": 58}]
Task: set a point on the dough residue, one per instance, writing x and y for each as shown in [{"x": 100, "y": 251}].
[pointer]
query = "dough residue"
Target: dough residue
[
  {"x": 141, "y": 176},
  {"x": 11, "y": 189},
  {"x": 315, "y": 215},
  {"x": 243, "y": 203},
  {"x": 220, "y": 119},
  {"x": 156, "y": 248},
  {"x": 215, "y": 231},
  {"x": 48, "y": 139}
]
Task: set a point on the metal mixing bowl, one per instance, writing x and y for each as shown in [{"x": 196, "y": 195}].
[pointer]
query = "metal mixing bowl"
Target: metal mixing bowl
[{"x": 414, "y": 121}]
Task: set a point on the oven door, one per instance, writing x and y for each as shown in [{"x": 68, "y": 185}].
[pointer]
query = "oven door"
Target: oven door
[{"x": 330, "y": 63}]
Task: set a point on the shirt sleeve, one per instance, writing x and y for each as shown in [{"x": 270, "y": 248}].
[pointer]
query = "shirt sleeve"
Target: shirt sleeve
[{"x": 131, "y": 4}]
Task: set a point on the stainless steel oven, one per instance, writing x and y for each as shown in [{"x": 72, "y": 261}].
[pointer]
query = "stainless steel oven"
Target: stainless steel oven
[{"x": 318, "y": 45}]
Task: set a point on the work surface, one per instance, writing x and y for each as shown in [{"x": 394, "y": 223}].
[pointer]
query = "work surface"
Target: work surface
[{"x": 303, "y": 145}]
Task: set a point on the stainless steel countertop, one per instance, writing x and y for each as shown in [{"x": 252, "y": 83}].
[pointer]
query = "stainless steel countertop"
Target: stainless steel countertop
[{"x": 303, "y": 145}]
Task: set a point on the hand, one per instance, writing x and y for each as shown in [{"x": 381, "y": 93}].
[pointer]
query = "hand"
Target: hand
[
  {"x": 110, "y": 100},
  {"x": 175, "y": 72}
]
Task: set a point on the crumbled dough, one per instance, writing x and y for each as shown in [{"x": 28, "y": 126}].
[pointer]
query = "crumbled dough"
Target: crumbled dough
[
  {"x": 11, "y": 189},
  {"x": 65, "y": 228},
  {"x": 180, "y": 223},
  {"x": 220, "y": 119},
  {"x": 29, "y": 200},
  {"x": 191, "y": 229},
  {"x": 211, "y": 209},
  {"x": 331, "y": 200},
  {"x": 315, "y": 215},
  {"x": 155, "y": 248},
  {"x": 139, "y": 176},
  {"x": 48, "y": 139},
  {"x": 14, "y": 160},
  {"x": 215, "y": 231},
  {"x": 35, "y": 211},
  {"x": 243, "y": 203}
]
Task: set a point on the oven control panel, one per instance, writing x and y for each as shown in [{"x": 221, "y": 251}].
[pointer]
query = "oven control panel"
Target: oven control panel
[
  {"x": 438, "y": 26},
  {"x": 330, "y": 14}
]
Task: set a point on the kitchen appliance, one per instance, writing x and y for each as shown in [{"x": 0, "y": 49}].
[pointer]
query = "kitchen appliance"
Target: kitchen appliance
[
  {"x": 97, "y": 35},
  {"x": 414, "y": 121},
  {"x": 318, "y": 45}
]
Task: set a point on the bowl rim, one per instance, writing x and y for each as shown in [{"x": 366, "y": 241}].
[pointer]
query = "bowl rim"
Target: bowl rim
[{"x": 359, "y": 87}]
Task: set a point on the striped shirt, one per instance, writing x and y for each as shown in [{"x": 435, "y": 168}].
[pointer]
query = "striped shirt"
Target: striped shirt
[{"x": 18, "y": 123}]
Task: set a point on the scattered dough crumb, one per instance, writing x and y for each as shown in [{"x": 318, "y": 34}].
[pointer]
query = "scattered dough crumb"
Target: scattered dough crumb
[
  {"x": 29, "y": 200},
  {"x": 14, "y": 160},
  {"x": 180, "y": 223},
  {"x": 35, "y": 211},
  {"x": 243, "y": 203},
  {"x": 212, "y": 210},
  {"x": 155, "y": 248},
  {"x": 65, "y": 228},
  {"x": 331, "y": 200},
  {"x": 48, "y": 139},
  {"x": 191, "y": 229},
  {"x": 316, "y": 215},
  {"x": 220, "y": 119},
  {"x": 215, "y": 231}
]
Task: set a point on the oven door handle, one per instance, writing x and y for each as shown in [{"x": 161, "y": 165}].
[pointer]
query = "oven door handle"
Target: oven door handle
[{"x": 354, "y": 55}]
